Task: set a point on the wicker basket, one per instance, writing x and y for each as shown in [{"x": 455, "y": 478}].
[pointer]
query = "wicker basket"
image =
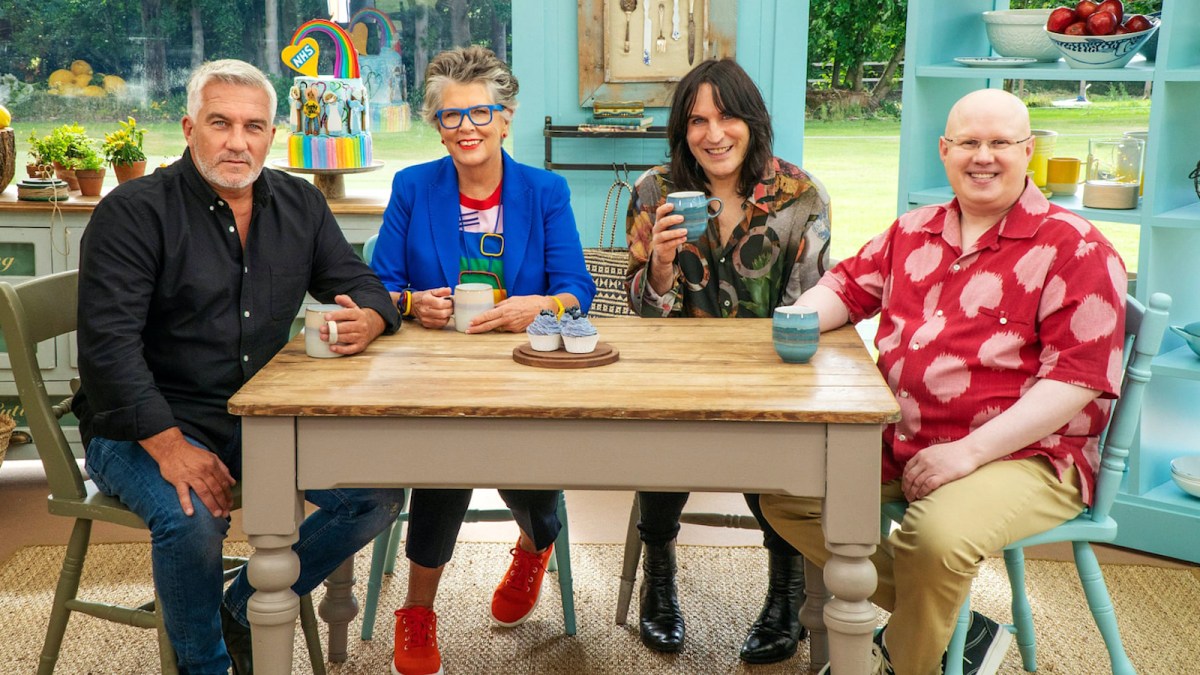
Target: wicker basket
[{"x": 6, "y": 430}]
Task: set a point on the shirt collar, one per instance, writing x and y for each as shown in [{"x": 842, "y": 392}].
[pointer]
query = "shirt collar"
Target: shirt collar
[
  {"x": 198, "y": 186},
  {"x": 1021, "y": 222},
  {"x": 763, "y": 196}
]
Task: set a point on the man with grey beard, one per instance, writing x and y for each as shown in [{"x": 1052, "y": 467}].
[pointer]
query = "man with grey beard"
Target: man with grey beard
[{"x": 189, "y": 280}]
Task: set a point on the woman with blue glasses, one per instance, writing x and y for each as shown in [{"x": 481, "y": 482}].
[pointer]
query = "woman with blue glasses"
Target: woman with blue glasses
[{"x": 476, "y": 216}]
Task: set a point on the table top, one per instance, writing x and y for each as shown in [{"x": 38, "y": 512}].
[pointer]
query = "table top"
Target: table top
[{"x": 669, "y": 369}]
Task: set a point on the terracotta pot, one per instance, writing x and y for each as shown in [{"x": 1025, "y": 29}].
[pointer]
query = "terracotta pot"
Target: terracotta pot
[
  {"x": 39, "y": 170},
  {"x": 126, "y": 172},
  {"x": 90, "y": 181},
  {"x": 66, "y": 174}
]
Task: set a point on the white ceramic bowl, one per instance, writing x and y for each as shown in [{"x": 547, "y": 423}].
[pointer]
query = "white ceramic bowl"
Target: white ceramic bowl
[
  {"x": 1192, "y": 487},
  {"x": 1187, "y": 467},
  {"x": 1019, "y": 33},
  {"x": 1100, "y": 51}
]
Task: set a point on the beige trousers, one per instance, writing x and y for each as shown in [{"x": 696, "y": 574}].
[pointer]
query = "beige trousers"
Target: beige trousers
[{"x": 926, "y": 566}]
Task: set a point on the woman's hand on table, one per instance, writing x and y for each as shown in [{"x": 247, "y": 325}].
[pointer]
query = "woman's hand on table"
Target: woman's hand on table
[
  {"x": 512, "y": 314},
  {"x": 665, "y": 240},
  {"x": 432, "y": 308}
]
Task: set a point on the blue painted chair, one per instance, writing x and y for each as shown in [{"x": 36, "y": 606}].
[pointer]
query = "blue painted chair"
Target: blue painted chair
[
  {"x": 387, "y": 544},
  {"x": 1144, "y": 328}
]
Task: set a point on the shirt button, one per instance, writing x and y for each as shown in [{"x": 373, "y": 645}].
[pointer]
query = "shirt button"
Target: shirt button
[
  {"x": 938, "y": 313},
  {"x": 901, "y": 437},
  {"x": 231, "y": 228},
  {"x": 903, "y": 393},
  {"x": 1003, "y": 320},
  {"x": 722, "y": 260},
  {"x": 726, "y": 303},
  {"x": 245, "y": 270},
  {"x": 220, "y": 203},
  {"x": 956, "y": 267},
  {"x": 245, "y": 358},
  {"x": 246, "y": 314},
  {"x": 211, "y": 207},
  {"x": 916, "y": 345}
]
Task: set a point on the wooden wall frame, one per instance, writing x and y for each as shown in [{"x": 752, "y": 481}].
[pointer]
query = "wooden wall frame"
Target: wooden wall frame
[{"x": 608, "y": 73}]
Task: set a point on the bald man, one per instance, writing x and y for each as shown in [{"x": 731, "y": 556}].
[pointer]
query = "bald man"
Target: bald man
[{"x": 1000, "y": 332}]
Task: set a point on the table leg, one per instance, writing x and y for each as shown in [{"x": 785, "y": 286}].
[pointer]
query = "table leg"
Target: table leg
[
  {"x": 850, "y": 579},
  {"x": 273, "y": 607},
  {"x": 338, "y": 608}
]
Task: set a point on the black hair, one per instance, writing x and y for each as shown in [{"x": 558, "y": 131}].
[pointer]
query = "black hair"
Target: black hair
[{"x": 734, "y": 93}]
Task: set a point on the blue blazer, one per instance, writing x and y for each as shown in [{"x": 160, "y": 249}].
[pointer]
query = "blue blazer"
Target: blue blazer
[{"x": 418, "y": 246}]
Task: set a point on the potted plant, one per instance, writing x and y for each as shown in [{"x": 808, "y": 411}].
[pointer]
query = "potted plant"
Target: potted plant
[
  {"x": 67, "y": 145},
  {"x": 41, "y": 164},
  {"x": 123, "y": 150},
  {"x": 89, "y": 168}
]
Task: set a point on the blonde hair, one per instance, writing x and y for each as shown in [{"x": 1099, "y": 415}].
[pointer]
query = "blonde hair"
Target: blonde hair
[
  {"x": 229, "y": 71},
  {"x": 468, "y": 65}
]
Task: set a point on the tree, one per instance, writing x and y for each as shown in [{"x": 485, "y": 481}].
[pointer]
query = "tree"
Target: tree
[
  {"x": 271, "y": 39},
  {"x": 850, "y": 33},
  {"x": 154, "y": 48},
  {"x": 460, "y": 26}
]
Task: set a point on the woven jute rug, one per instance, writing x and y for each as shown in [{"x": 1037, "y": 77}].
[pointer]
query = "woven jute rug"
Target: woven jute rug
[{"x": 720, "y": 590}]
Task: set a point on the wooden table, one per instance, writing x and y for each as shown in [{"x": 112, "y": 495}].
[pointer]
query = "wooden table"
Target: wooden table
[{"x": 692, "y": 404}]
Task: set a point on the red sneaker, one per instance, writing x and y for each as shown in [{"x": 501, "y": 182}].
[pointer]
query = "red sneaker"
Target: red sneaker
[
  {"x": 517, "y": 595},
  {"x": 416, "y": 647}
]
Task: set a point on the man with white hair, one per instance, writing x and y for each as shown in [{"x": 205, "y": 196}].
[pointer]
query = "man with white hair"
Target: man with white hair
[
  {"x": 189, "y": 281},
  {"x": 1000, "y": 333}
]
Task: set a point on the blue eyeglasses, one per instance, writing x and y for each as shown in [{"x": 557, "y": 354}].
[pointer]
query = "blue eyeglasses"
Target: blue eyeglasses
[{"x": 480, "y": 115}]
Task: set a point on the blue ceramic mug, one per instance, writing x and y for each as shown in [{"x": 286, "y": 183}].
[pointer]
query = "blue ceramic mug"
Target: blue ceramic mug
[
  {"x": 795, "y": 331},
  {"x": 694, "y": 207}
]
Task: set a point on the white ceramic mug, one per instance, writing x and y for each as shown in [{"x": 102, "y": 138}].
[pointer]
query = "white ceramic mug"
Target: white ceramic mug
[
  {"x": 314, "y": 318},
  {"x": 471, "y": 300}
]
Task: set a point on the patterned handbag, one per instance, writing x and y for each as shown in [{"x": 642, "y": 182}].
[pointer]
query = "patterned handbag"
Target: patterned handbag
[{"x": 608, "y": 264}]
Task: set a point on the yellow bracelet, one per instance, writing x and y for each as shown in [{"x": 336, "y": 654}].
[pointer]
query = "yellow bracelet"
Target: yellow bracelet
[
  {"x": 408, "y": 298},
  {"x": 561, "y": 309}
]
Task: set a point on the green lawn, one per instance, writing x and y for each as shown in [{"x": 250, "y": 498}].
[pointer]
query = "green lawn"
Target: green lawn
[{"x": 858, "y": 161}]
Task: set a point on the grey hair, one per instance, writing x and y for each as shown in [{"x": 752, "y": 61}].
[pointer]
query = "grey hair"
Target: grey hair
[
  {"x": 468, "y": 65},
  {"x": 229, "y": 71}
]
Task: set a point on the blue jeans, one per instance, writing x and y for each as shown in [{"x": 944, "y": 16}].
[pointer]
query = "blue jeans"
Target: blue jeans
[{"x": 186, "y": 550}]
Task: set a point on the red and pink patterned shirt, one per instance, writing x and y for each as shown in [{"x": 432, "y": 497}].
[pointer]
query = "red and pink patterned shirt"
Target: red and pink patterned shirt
[{"x": 963, "y": 335}]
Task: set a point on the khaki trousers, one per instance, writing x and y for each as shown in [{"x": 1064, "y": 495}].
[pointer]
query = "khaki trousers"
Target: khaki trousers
[{"x": 926, "y": 565}]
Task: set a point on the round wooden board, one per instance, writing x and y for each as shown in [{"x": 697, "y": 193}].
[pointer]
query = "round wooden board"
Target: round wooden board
[{"x": 603, "y": 355}]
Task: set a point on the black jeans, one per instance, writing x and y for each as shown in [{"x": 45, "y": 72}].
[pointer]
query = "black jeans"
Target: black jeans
[
  {"x": 435, "y": 517},
  {"x": 659, "y": 522}
]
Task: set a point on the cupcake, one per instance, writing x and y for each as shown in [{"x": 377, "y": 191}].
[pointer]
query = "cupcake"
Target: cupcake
[
  {"x": 545, "y": 333},
  {"x": 578, "y": 333}
]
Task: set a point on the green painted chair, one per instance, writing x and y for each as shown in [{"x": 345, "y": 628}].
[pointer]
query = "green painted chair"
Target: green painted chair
[
  {"x": 42, "y": 309},
  {"x": 387, "y": 544},
  {"x": 1144, "y": 328}
]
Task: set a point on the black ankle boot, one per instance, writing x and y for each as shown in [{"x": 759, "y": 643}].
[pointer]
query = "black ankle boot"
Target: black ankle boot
[
  {"x": 660, "y": 618},
  {"x": 777, "y": 632},
  {"x": 237, "y": 643}
]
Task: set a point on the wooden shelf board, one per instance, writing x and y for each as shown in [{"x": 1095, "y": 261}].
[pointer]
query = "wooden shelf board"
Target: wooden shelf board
[
  {"x": 1184, "y": 216},
  {"x": 1179, "y": 362},
  {"x": 1138, "y": 70},
  {"x": 1133, "y": 216}
]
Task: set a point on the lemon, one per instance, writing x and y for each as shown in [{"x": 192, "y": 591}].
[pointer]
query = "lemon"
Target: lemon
[
  {"x": 81, "y": 67},
  {"x": 93, "y": 90},
  {"x": 114, "y": 84},
  {"x": 5, "y": 117},
  {"x": 83, "y": 80},
  {"x": 61, "y": 77}
]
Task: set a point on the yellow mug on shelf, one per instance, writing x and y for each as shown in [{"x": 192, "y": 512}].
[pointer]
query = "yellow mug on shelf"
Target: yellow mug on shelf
[{"x": 1062, "y": 175}]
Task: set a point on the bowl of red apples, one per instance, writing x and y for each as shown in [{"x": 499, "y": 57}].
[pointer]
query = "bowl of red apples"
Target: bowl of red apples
[{"x": 1098, "y": 34}]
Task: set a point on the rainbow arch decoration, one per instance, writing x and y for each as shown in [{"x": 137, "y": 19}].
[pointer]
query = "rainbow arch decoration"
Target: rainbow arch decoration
[
  {"x": 387, "y": 30},
  {"x": 345, "y": 58}
]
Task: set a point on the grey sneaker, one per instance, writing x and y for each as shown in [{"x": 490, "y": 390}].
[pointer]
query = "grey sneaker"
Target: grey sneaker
[
  {"x": 987, "y": 643},
  {"x": 878, "y": 664}
]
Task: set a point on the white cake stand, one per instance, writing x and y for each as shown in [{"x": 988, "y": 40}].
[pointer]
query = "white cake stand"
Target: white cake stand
[{"x": 329, "y": 181}]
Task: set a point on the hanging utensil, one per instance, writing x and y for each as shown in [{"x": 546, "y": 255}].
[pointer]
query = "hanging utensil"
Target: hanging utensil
[
  {"x": 646, "y": 30},
  {"x": 628, "y": 6},
  {"x": 661, "y": 43},
  {"x": 691, "y": 32},
  {"x": 675, "y": 20}
]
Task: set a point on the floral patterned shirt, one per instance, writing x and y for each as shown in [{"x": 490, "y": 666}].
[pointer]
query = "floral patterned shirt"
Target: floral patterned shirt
[
  {"x": 780, "y": 249},
  {"x": 963, "y": 335}
]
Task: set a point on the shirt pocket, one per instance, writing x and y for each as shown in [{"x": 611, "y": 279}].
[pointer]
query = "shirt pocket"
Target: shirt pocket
[
  {"x": 1005, "y": 338},
  {"x": 287, "y": 293}
]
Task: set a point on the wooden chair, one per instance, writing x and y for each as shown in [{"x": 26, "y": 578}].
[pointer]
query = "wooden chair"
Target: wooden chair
[
  {"x": 1144, "y": 328},
  {"x": 633, "y": 547},
  {"x": 42, "y": 309},
  {"x": 387, "y": 544}
]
